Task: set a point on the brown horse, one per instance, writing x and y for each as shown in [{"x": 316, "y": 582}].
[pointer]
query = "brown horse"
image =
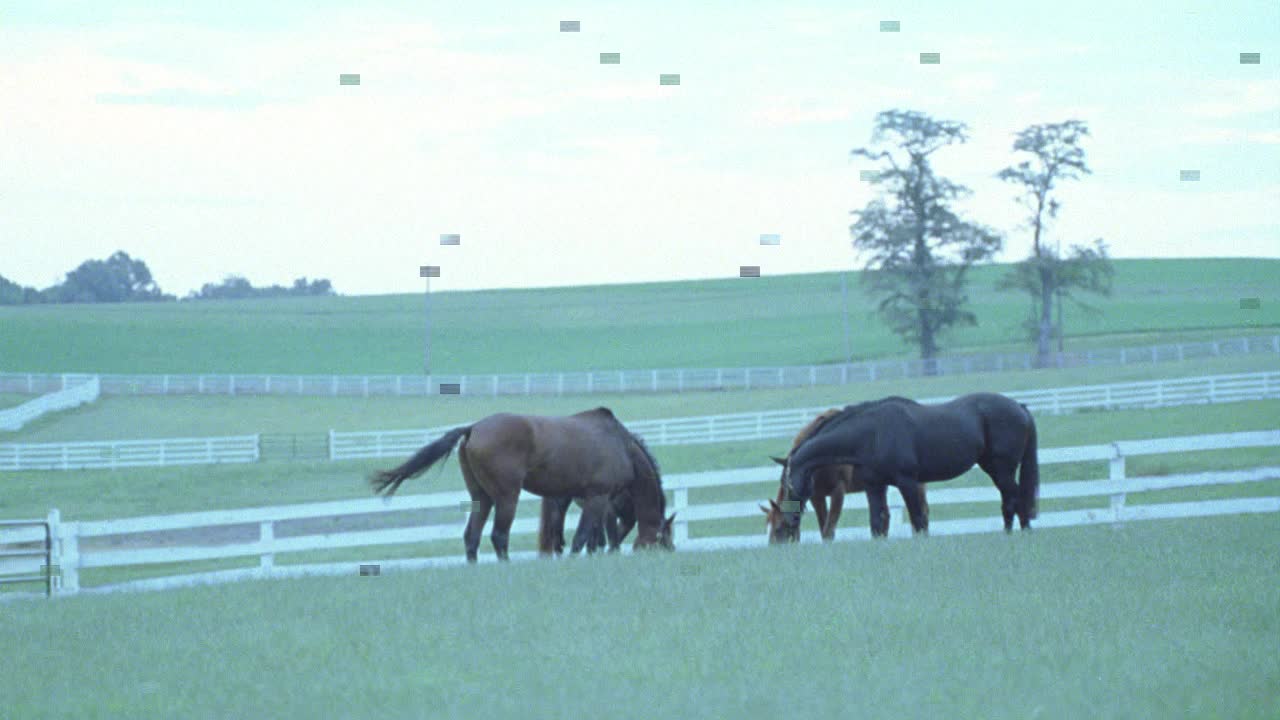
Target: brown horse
[
  {"x": 828, "y": 481},
  {"x": 589, "y": 455},
  {"x": 593, "y": 532}
]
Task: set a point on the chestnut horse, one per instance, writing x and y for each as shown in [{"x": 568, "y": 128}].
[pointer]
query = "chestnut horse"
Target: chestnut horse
[
  {"x": 899, "y": 442},
  {"x": 589, "y": 455},
  {"x": 828, "y": 481}
]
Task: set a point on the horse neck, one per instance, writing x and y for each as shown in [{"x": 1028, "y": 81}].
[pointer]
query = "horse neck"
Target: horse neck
[{"x": 812, "y": 427}]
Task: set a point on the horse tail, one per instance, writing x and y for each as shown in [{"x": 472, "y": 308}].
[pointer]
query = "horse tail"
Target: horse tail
[
  {"x": 389, "y": 480},
  {"x": 1029, "y": 472}
]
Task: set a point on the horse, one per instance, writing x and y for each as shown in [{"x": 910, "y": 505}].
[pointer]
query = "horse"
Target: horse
[
  {"x": 829, "y": 481},
  {"x": 616, "y": 523},
  {"x": 590, "y": 455},
  {"x": 900, "y": 442}
]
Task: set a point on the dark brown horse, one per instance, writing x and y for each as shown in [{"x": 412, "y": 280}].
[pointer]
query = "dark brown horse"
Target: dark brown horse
[
  {"x": 589, "y": 455},
  {"x": 832, "y": 481},
  {"x": 618, "y": 518},
  {"x": 899, "y": 442},
  {"x": 828, "y": 481}
]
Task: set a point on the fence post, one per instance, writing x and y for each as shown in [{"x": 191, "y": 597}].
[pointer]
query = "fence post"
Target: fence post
[
  {"x": 680, "y": 502},
  {"x": 680, "y": 380},
  {"x": 68, "y": 555},
  {"x": 266, "y": 534},
  {"x": 622, "y": 381},
  {"x": 331, "y": 457},
  {"x": 233, "y": 384},
  {"x": 208, "y": 450},
  {"x": 333, "y": 385},
  {"x": 779, "y": 377},
  {"x": 591, "y": 381},
  {"x": 813, "y": 376},
  {"x": 1116, "y": 469},
  {"x": 1057, "y": 407},
  {"x": 655, "y": 380},
  {"x": 719, "y": 378},
  {"x": 257, "y": 447},
  {"x": 53, "y": 577},
  {"x": 1213, "y": 389}
]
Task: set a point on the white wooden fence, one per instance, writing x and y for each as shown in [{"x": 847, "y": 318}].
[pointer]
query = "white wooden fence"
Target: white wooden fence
[
  {"x": 72, "y": 557},
  {"x": 76, "y": 391},
  {"x": 665, "y": 380},
  {"x": 786, "y": 423},
  {"x": 670, "y": 431},
  {"x": 129, "y": 453}
]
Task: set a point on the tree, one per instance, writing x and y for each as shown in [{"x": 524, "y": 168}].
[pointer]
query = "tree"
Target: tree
[
  {"x": 1086, "y": 268},
  {"x": 119, "y": 278},
  {"x": 1046, "y": 275},
  {"x": 920, "y": 250},
  {"x": 11, "y": 293}
]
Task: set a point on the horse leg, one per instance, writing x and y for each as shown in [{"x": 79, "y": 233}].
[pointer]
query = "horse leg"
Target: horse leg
[
  {"x": 502, "y": 519},
  {"x": 481, "y": 504},
  {"x": 878, "y": 505},
  {"x": 1004, "y": 482},
  {"x": 590, "y": 530},
  {"x": 819, "y": 503},
  {"x": 837, "y": 504},
  {"x": 913, "y": 495}
]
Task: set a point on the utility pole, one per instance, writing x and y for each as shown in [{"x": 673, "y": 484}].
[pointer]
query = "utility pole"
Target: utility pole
[
  {"x": 844, "y": 304},
  {"x": 427, "y": 272}
]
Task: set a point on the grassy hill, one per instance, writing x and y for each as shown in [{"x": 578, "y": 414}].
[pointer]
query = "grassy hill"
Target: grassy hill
[{"x": 733, "y": 322}]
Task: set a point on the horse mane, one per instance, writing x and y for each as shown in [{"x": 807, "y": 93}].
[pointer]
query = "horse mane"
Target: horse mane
[
  {"x": 653, "y": 467},
  {"x": 813, "y": 426}
]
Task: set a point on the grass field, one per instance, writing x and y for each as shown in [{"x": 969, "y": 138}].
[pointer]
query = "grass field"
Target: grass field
[
  {"x": 765, "y": 321},
  {"x": 1158, "y": 619},
  {"x": 101, "y": 494}
]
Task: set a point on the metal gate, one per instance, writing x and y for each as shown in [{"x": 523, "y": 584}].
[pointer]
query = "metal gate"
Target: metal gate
[{"x": 20, "y": 563}]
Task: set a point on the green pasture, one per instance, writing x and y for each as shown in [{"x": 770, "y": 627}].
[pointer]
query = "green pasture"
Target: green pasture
[
  {"x": 308, "y": 419},
  {"x": 783, "y": 320},
  {"x": 1168, "y": 619},
  {"x": 103, "y": 494}
]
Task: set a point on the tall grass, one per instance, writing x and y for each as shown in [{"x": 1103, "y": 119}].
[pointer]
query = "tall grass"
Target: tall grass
[{"x": 1159, "y": 619}]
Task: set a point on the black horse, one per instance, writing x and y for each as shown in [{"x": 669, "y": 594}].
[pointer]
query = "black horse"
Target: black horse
[
  {"x": 899, "y": 442},
  {"x": 595, "y": 529}
]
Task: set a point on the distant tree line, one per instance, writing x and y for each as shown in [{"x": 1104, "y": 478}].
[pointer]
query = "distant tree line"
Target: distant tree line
[
  {"x": 235, "y": 286},
  {"x": 121, "y": 278}
]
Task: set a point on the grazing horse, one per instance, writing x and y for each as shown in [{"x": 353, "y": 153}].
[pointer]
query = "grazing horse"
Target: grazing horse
[
  {"x": 614, "y": 526},
  {"x": 828, "y": 481},
  {"x": 589, "y": 455},
  {"x": 899, "y": 442}
]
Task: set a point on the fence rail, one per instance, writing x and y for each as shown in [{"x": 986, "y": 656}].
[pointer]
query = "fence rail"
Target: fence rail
[
  {"x": 129, "y": 453},
  {"x": 786, "y": 423},
  {"x": 671, "y": 431},
  {"x": 71, "y": 557},
  {"x": 631, "y": 381},
  {"x": 76, "y": 390}
]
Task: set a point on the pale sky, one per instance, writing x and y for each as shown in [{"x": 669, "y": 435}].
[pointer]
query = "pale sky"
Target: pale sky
[{"x": 210, "y": 138}]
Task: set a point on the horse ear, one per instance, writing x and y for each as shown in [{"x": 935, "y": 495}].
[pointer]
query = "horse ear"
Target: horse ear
[
  {"x": 670, "y": 520},
  {"x": 778, "y": 460},
  {"x": 775, "y": 506},
  {"x": 764, "y": 510}
]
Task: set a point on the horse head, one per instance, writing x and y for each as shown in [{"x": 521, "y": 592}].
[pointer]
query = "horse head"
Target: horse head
[
  {"x": 783, "y": 515},
  {"x": 660, "y": 538}
]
